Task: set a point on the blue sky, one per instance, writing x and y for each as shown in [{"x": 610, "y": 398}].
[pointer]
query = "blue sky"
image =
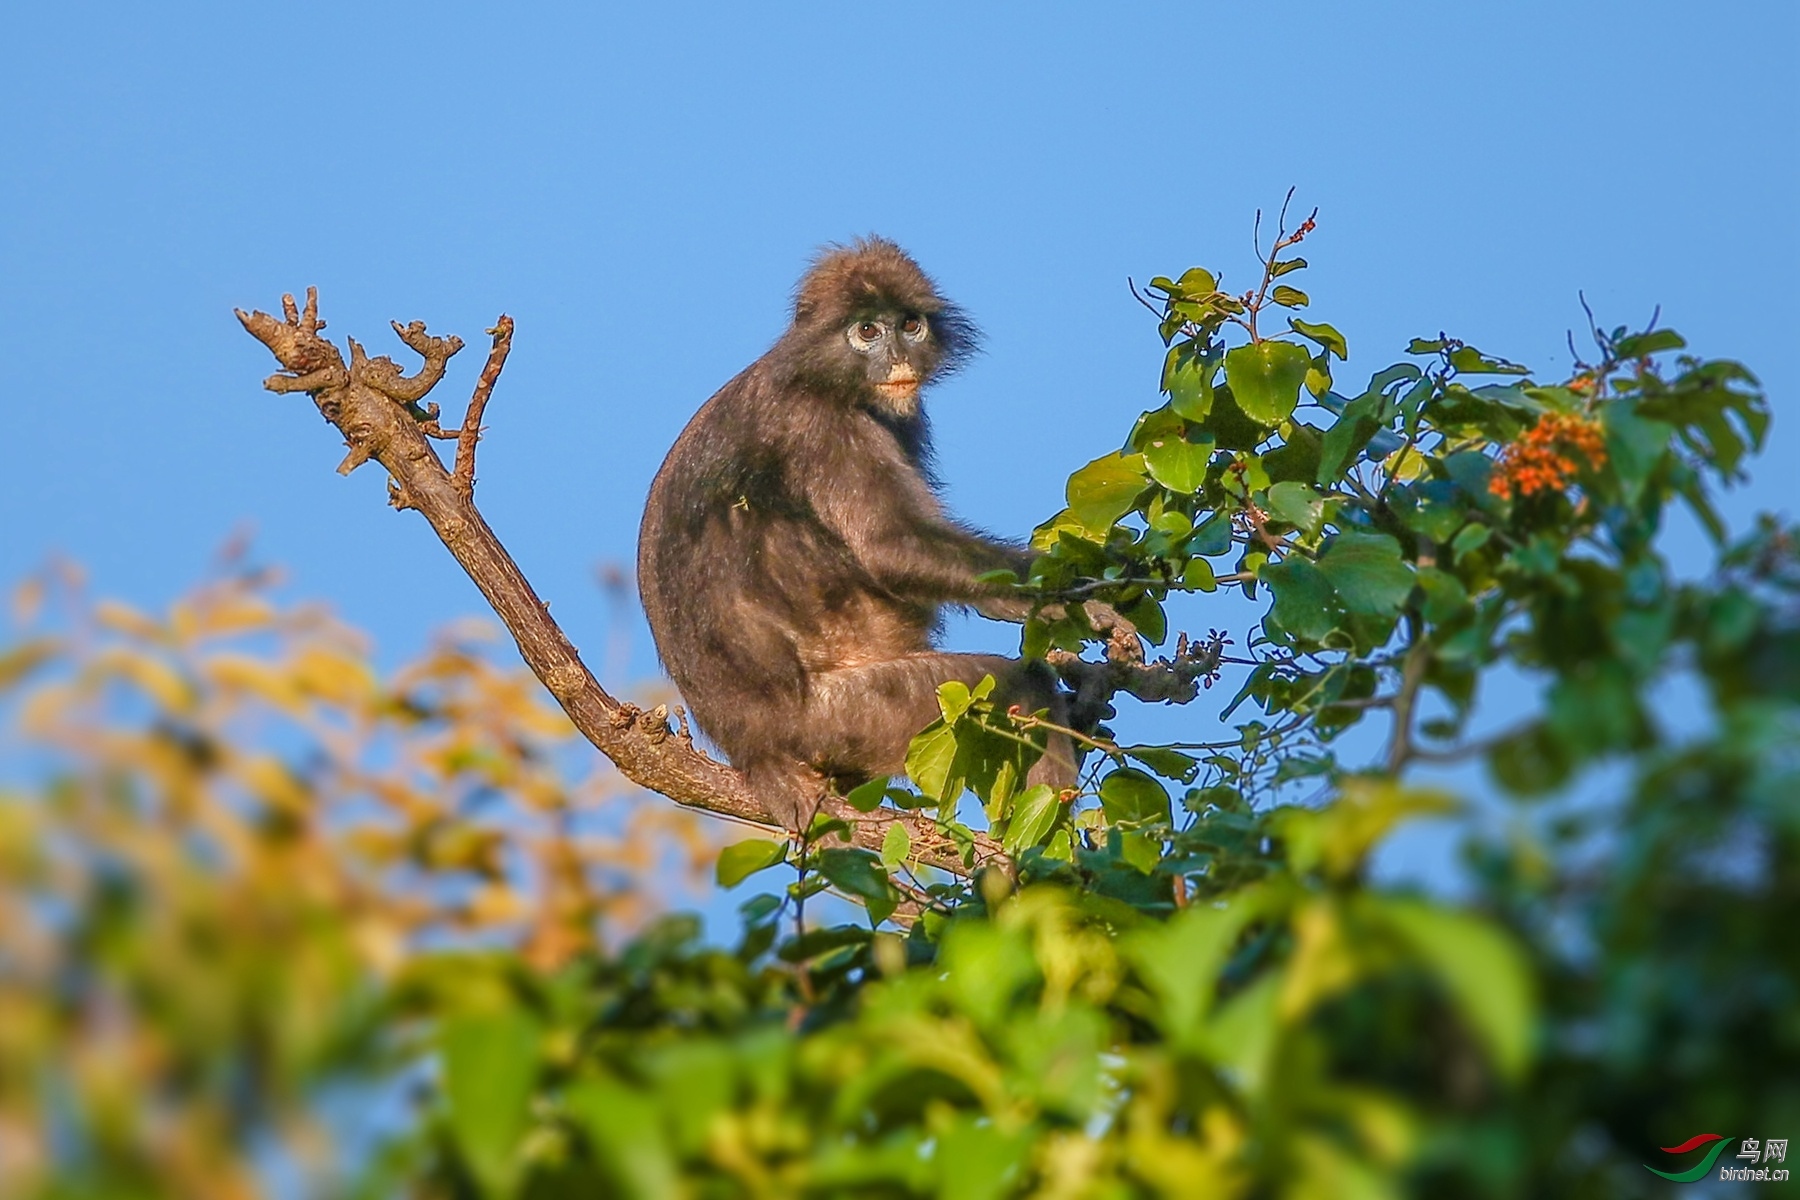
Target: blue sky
[{"x": 639, "y": 187}]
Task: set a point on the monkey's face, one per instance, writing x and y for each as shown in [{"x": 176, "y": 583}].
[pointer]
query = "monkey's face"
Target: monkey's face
[{"x": 896, "y": 352}]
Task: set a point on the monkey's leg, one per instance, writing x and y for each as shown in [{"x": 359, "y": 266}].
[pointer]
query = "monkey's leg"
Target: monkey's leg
[
  {"x": 789, "y": 788},
  {"x": 859, "y": 720}
]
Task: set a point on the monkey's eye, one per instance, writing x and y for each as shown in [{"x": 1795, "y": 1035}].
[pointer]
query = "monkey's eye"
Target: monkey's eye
[
  {"x": 913, "y": 327},
  {"x": 865, "y": 334}
]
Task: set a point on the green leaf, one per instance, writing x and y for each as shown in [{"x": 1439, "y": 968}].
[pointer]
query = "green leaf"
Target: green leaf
[
  {"x": 1197, "y": 281},
  {"x": 1140, "y": 852},
  {"x": 1318, "y": 374},
  {"x": 1157, "y": 423},
  {"x": 1471, "y": 470},
  {"x": 1146, "y": 612},
  {"x": 896, "y": 845},
  {"x": 824, "y": 823},
  {"x": 1412, "y": 405},
  {"x": 954, "y": 698},
  {"x": 1642, "y": 345},
  {"x": 1431, "y": 508},
  {"x": 1188, "y": 379},
  {"x": 624, "y": 1128},
  {"x": 1265, "y": 379},
  {"x": 1181, "y": 961},
  {"x": 857, "y": 872},
  {"x": 1034, "y": 814},
  {"x": 1230, "y": 426},
  {"x": 741, "y": 860},
  {"x": 1213, "y": 537},
  {"x": 1325, "y": 335},
  {"x": 1296, "y": 459},
  {"x": 1337, "y": 839},
  {"x": 1198, "y": 576},
  {"x": 1241, "y": 1034},
  {"x": 815, "y": 942},
  {"x": 1470, "y": 361},
  {"x": 1471, "y": 539},
  {"x": 1283, "y": 267},
  {"x": 1482, "y": 969},
  {"x": 1289, "y": 297},
  {"x": 1105, "y": 490},
  {"x": 1368, "y": 573},
  {"x": 1634, "y": 445},
  {"x": 1305, "y": 605},
  {"x": 760, "y": 908},
  {"x": 1176, "y": 524},
  {"x": 978, "y": 1161},
  {"x": 1129, "y": 794},
  {"x": 1298, "y": 505},
  {"x": 984, "y": 967},
  {"x": 1346, "y": 438},
  {"x": 490, "y": 1066},
  {"x": 930, "y": 762},
  {"x": 1445, "y": 597},
  {"x": 1179, "y": 463},
  {"x": 867, "y": 797},
  {"x": 1530, "y": 761},
  {"x": 1170, "y": 764}
]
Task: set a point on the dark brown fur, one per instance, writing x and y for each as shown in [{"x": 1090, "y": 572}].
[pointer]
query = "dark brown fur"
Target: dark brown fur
[{"x": 794, "y": 555}]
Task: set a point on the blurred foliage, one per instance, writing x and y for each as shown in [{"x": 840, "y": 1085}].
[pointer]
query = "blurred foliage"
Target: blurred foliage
[
  {"x": 1187, "y": 982},
  {"x": 226, "y": 840}
]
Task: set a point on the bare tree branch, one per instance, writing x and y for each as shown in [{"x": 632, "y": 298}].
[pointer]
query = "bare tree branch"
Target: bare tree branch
[
  {"x": 378, "y": 409},
  {"x": 464, "y": 474}
]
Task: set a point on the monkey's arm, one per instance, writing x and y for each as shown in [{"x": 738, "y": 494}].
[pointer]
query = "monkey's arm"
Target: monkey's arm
[
  {"x": 913, "y": 550},
  {"x": 939, "y": 562}
]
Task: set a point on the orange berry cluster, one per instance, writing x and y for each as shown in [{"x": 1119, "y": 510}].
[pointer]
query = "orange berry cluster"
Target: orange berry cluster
[{"x": 1548, "y": 455}]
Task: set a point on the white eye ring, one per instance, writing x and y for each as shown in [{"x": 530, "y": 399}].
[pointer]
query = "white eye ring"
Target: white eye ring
[
  {"x": 917, "y": 334},
  {"x": 863, "y": 342}
]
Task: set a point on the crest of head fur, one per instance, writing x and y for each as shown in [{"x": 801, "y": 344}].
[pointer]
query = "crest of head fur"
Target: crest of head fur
[{"x": 872, "y": 274}]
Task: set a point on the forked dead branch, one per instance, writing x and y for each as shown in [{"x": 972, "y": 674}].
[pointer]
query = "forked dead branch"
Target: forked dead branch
[{"x": 383, "y": 415}]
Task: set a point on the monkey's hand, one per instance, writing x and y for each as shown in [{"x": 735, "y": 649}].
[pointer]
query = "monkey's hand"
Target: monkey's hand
[{"x": 1122, "y": 642}]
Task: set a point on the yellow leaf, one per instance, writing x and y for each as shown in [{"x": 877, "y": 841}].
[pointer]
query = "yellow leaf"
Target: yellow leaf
[
  {"x": 333, "y": 676},
  {"x": 495, "y": 904},
  {"x": 1335, "y": 839},
  {"x": 1405, "y": 464},
  {"x": 243, "y": 673},
  {"x": 234, "y": 614},
  {"x": 154, "y": 677},
  {"x": 270, "y": 780},
  {"x": 16, "y": 662},
  {"x": 45, "y": 708},
  {"x": 122, "y": 618}
]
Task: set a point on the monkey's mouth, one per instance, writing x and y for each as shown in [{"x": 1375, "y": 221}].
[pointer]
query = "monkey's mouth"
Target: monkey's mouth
[{"x": 901, "y": 390}]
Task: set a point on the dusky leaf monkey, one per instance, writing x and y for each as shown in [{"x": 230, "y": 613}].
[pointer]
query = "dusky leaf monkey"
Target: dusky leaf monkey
[{"x": 794, "y": 555}]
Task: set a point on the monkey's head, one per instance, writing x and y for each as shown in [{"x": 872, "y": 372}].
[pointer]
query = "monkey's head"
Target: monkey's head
[{"x": 870, "y": 327}]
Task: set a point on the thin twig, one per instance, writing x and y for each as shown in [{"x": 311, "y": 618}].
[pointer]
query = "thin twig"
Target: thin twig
[
  {"x": 464, "y": 475},
  {"x": 1141, "y": 298},
  {"x": 1412, "y": 675}
]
